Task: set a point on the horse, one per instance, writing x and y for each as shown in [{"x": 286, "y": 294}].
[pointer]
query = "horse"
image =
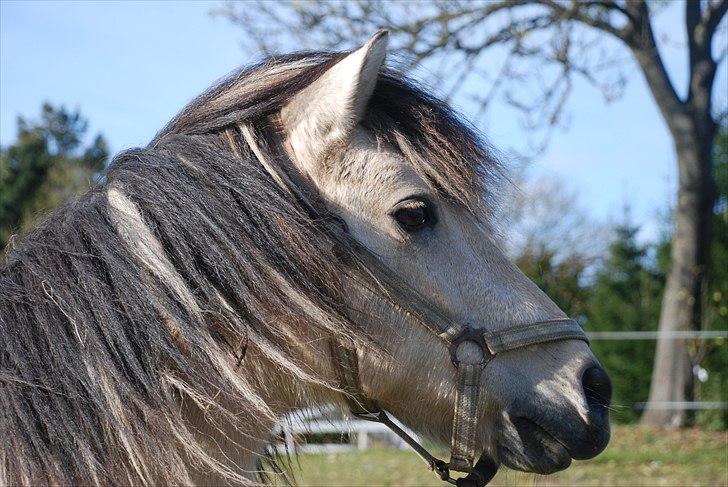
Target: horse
[{"x": 313, "y": 229}]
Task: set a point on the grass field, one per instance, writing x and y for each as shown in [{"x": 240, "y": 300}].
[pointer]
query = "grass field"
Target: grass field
[{"x": 636, "y": 456}]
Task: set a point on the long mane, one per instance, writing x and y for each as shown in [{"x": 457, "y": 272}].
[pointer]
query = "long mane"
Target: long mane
[{"x": 196, "y": 254}]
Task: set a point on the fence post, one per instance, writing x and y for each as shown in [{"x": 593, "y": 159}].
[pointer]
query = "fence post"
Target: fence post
[
  {"x": 362, "y": 440},
  {"x": 288, "y": 436}
]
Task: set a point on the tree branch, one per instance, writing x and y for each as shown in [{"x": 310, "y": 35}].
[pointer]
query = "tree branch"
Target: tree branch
[
  {"x": 643, "y": 45},
  {"x": 454, "y": 34},
  {"x": 714, "y": 13},
  {"x": 578, "y": 11},
  {"x": 702, "y": 65}
]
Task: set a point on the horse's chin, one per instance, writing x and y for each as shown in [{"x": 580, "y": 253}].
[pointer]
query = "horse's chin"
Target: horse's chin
[{"x": 530, "y": 448}]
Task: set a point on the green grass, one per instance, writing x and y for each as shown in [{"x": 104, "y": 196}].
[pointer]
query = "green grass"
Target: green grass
[{"x": 636, "y": 456}]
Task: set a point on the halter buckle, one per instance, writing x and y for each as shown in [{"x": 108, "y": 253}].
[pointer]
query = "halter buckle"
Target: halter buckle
[{"x": 475, "y": 335}]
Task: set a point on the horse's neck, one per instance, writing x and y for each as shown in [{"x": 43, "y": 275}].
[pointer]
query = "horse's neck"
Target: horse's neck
[
  {"x": 242, "y": 450},
  {"x": 237, "y": 450}
]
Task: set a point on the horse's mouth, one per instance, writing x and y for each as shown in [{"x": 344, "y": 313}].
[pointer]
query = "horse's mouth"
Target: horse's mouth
[{"x": 526, "y": 446}]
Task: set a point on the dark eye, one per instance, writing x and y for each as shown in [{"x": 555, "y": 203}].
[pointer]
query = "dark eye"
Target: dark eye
[{"x": 412, "y": 215}]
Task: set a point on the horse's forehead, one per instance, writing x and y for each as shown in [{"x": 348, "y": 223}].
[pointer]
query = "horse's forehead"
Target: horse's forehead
[{"x": 372, "y": 168}]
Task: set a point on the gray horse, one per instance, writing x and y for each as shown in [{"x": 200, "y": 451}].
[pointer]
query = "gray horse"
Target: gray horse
[{"x": 280, "y": 244}]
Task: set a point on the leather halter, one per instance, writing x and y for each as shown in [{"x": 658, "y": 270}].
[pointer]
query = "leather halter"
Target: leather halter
[{"x": 467, "y": 398}]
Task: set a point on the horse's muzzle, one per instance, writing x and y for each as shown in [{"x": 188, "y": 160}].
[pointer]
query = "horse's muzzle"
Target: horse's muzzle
[{"x": 544, "y": 438}]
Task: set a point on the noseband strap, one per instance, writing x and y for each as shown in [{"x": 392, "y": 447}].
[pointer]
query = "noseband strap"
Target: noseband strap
[{"x": 469, "y": 370}]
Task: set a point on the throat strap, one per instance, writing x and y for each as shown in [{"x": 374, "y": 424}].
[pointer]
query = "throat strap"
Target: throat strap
[{"x": 348, "y": 371}]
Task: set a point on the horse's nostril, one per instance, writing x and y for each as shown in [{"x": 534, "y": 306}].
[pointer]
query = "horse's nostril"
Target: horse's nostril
[{"x": 597, "y": 389}]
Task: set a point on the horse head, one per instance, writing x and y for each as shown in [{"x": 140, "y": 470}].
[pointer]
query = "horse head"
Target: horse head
[{"x": 423, "y": 210}]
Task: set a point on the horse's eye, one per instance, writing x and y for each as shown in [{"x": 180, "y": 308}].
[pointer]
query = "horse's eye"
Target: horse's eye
[{"x": 412, "y": 215}]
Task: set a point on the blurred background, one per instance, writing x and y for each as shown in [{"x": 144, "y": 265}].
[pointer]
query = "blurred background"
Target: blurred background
[{"x": 611, "y": 116}]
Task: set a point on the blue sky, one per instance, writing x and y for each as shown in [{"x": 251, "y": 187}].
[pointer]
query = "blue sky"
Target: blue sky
[{"x": 130, "y": 66}]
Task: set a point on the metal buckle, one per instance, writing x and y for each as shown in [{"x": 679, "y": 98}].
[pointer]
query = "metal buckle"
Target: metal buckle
[
  {"x": 475, "y": 335},
  {"x": 442, "y": 470}
]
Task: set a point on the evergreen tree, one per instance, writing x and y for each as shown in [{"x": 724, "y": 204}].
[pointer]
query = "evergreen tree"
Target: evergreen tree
[
  {"x": 626, "y": 296},
  {"x": 561, "y": 279},
  {"x": 46, "y": 167}
]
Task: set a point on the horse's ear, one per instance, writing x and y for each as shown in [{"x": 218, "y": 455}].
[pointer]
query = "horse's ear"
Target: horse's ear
[{"x": 328, "y": 110}]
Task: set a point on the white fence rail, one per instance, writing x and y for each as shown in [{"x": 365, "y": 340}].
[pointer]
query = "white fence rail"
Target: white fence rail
[
  {"x": 669, "y": 335},
  {"x": 656, "y": 335},
  {"x": 299, "y": 424},
  {"x": 682, "y": 405}
]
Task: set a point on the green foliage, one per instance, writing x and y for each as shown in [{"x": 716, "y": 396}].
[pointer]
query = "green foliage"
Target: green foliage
[
  {"x": 626, "y": 296},
  {"x": 562, "y": 280},
  {"x": 46, "y": 167}
]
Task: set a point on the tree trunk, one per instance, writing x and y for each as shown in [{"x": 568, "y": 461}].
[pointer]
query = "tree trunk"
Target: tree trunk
[
  {"x": 672, "y": 376},
  {"x": 693, "y": 129}
]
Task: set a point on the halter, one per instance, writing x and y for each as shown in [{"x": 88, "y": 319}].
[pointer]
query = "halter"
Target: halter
[{"x": 467, "y": 398}]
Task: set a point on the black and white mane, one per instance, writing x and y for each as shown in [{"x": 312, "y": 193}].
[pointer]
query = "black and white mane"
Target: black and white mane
[{"x": 195, "y": 292}]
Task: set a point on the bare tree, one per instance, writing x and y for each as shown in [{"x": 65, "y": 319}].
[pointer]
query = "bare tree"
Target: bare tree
[
  {"x": 546, "y": 44},
  {"x": 545, "y": 214}
]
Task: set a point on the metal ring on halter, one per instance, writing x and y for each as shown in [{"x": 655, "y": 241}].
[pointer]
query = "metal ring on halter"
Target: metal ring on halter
[{"x": 475, "y": 335}]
